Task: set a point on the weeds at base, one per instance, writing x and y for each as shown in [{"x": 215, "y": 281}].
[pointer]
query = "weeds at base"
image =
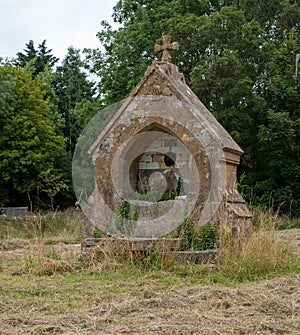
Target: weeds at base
[{"x": 259, "y": 257}]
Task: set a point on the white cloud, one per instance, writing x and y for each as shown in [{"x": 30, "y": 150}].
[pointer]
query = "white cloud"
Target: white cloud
[{"x": 61, "y": 22}]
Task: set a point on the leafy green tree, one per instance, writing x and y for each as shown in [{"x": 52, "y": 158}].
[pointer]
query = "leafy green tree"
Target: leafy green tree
[
  {"x": 52, "y": 183},
  {"x": 29, "y": 143},
  {"x": 290, "y": 16},
  {"x": 226, "y": 76},
  {"x": 265, "y": 12},
  {"x": 85, "y": 110},
  {"x": 187, "y": 30},
  {"x": 47, "y": 77},
  {"x": 129, "y": 49},
  {"x": 277, "y": 177}
]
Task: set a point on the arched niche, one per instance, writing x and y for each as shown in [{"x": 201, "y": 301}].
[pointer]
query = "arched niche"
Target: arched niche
[
  {"x": 161, "y": 171},
  {"x": 127, "y": 151}
]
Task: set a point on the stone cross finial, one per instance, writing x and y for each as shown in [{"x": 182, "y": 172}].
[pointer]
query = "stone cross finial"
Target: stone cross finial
[{"x": 166, "y": 57}]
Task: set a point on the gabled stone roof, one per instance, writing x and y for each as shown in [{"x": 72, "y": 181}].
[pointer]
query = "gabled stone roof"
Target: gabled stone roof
[{"x": 164, "y": 79}]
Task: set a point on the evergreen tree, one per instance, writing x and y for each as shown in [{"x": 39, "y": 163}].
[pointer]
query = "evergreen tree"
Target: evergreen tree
[
  {"x": 38, "y": 58},
  {"x": 71, "y": 86}
]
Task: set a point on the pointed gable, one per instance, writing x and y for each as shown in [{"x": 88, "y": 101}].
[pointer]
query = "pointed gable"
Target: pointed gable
[{"x": 164, "y": 79}]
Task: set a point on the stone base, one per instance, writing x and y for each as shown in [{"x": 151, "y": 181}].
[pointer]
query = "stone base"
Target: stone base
[{"x": 168, "y": 247}]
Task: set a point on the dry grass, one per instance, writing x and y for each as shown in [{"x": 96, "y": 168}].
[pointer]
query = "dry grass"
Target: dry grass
[
  {"x": 262, "y": 254},
  {"x": 47, "y": 289},
  {"x": 271, "y": 307},
  {"x": 49, "y": 260}
]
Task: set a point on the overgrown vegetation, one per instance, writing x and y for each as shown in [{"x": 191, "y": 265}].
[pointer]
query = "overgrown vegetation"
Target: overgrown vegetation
[
  {"x": 51, "y": 227},
  {"x": 204, "y": 238},
  {"x": 125, "y": 222},
  {"x": 273, "y": 218},
  {"x": 260, "y": 256}
]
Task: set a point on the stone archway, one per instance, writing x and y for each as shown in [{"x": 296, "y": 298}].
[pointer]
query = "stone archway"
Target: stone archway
[{"x": 128, "y": 155}]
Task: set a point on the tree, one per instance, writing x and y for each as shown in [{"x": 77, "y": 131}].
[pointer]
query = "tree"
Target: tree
[
  {"x": 29, "y": 143},
  {"x": 290, "y": 16},
  {"x": 38, "y": 58},
  {"x": 85, "y": 110},
  {"x": 266, "y": 12},
  {"x": 129, "y": 50},
  {"x": 71, "y": 86},
  {"x": 279, "y": 179},
  {"x": 278, "y": 165},
  {"x": 226, "y": 76}
]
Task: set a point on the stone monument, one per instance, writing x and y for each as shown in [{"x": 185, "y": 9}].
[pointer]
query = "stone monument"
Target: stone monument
[{"x": 163, "y": 156}]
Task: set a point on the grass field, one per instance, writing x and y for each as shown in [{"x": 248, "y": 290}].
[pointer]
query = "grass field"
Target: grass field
[{"x": 46, "y": 288}]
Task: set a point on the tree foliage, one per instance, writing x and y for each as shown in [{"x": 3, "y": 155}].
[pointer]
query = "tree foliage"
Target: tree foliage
[
  {"x": 38, "y": 125},
  {"x": 71, "y": 86},
  {"x": 29, "y": 144},
  {"x": 38, "y": 58},
  {"x": 278, "y": 173},
  {"x": 232, "y": 54}
]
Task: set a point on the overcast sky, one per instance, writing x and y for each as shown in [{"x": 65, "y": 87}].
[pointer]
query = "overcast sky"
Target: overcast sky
[{"x": 61, "y": 22}]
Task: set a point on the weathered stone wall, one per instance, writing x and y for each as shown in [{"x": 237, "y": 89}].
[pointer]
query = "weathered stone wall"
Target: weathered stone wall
[{"x": 109, "y": 151}]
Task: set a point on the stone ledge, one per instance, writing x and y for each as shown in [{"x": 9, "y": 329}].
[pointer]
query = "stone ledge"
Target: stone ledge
[{"x": 135, "y": 244}]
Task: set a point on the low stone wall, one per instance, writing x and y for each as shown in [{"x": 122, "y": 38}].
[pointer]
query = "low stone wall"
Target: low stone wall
[
  {"x": 167, "y": 247},
  {"x": 14, "y": 211}
]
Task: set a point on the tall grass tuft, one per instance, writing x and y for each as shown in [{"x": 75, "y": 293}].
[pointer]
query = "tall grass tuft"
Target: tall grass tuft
[
  {"x": 50, "y": 260},
  {"x": 45, "y": 262},
  {"x": 261, "y": 255}
]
